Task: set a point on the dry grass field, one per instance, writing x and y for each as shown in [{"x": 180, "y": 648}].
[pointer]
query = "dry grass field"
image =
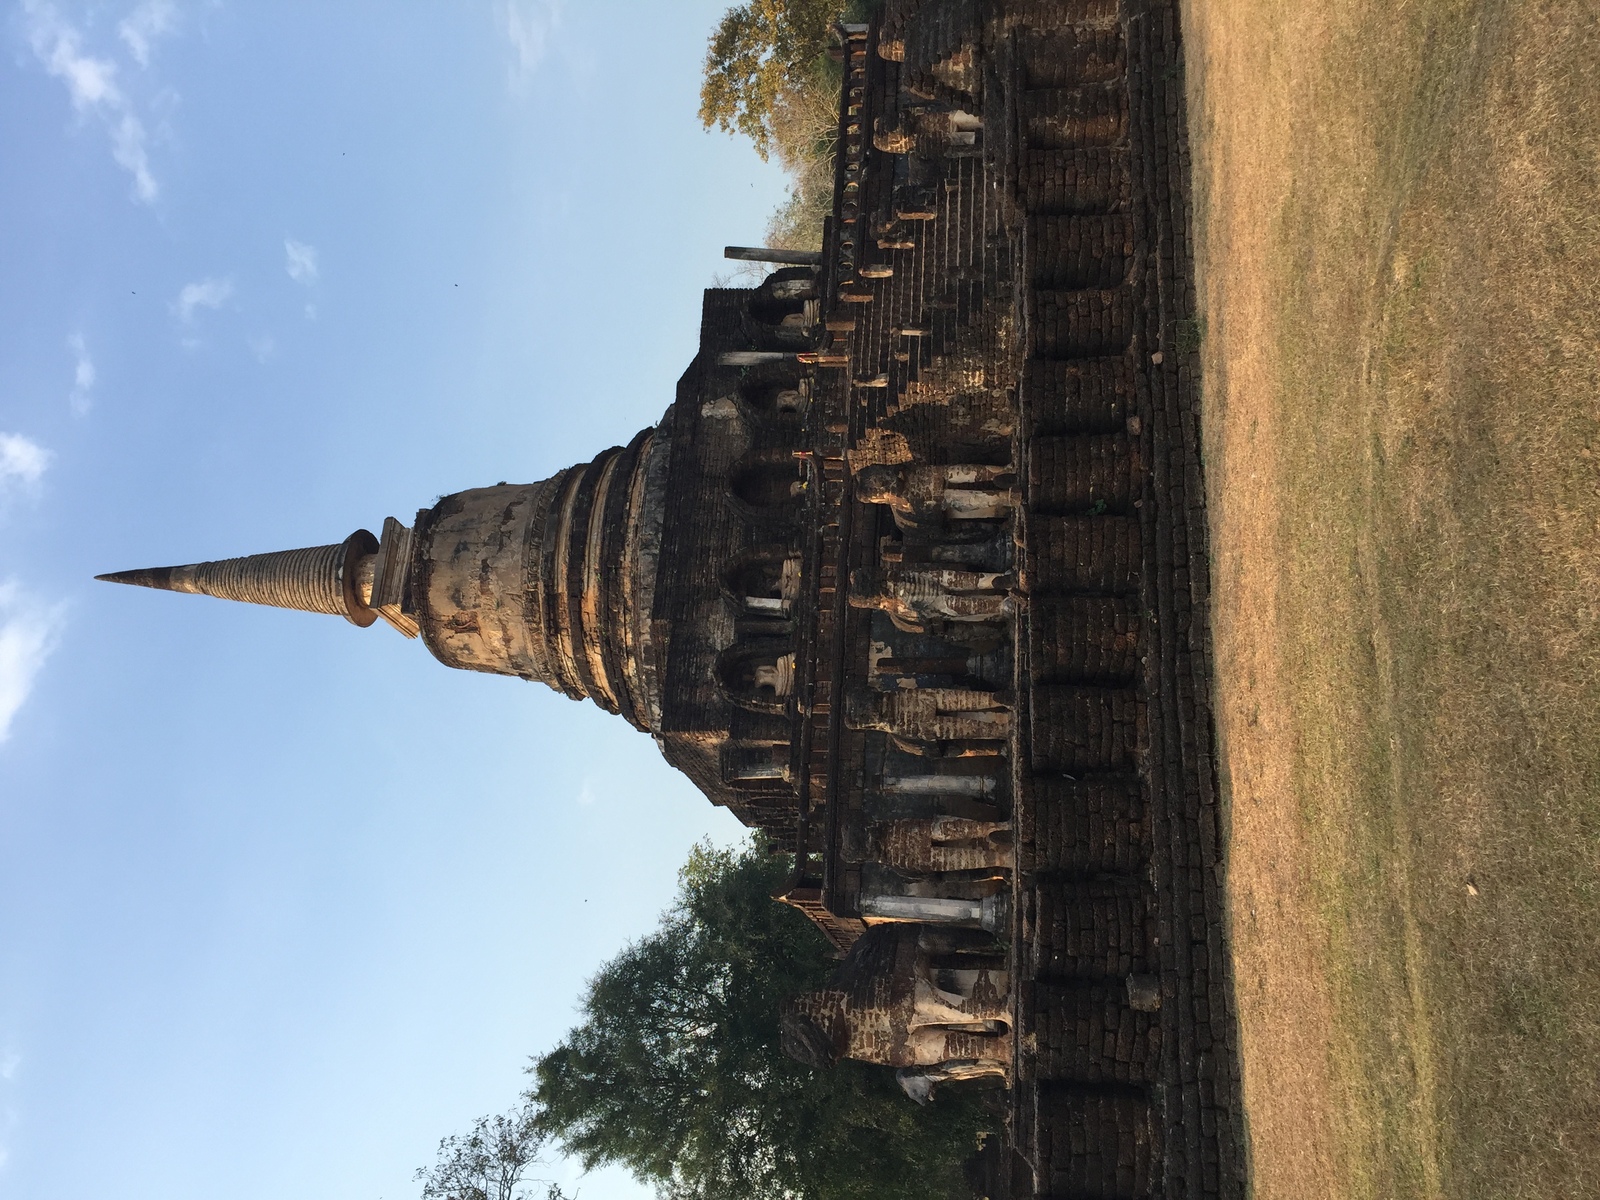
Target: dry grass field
[{"x": 1398, "y": 232}]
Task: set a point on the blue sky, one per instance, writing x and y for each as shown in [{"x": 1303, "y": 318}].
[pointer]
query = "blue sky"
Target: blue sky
[{"x": 282, "y": 901}]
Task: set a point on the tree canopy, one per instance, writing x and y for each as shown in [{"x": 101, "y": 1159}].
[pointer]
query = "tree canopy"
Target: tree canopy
[
  {"x": 769, "y": 77},
  {"x": 489, "y": 1162},
  {"x": 675, "y": 1070},
  {"x": 762, "y": 53}
]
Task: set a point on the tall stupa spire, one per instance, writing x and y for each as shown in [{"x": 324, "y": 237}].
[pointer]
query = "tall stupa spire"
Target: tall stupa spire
[
  {"x": 551, "y": 581},
  {"x": 334, "y": 579}
]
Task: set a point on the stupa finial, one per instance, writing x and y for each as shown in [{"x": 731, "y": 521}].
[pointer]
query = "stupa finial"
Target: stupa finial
[{"x": 336, "y": 579}]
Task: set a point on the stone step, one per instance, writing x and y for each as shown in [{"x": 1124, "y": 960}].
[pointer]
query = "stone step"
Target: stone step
[
  {"x": 1087, "y": 1032},
  {"x": 1092, "y": 826},
  {"x": 1090, "y": 473},
  {"x": 1084, "y": 639},
  {"x": 1077, "y": 729},
  {"x": 1066, "y": 396},
  {"x": 1072, "y": 56},
  {"x": 1079, "y": 251},
  {"x": 1096, "y": 1142},
  {"x": 1082, "y": 554},
  {"x": 1089, "y": 323},
  {"x": 1061, "y": 14},
  {"x": 1084, "y": 180},
  {"x": 1072, "y": 118},
  {"x": 1095, "y": 928}
]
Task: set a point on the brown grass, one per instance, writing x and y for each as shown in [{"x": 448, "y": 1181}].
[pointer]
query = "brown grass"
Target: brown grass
[{"x": 1398, "y": 230}]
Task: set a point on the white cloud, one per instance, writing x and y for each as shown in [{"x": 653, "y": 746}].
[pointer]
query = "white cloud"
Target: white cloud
[
  {"x": 83, "y": 375},
  {"x": 129, "y": 153},
  {"x": 302, "y": 264},
  {"x": 22, "y": 462},
  {"x": 529, "y": 24},
  {"x": 205, "y": 293},
  {"x": 9, "y": 1063},
  {"x": 263, "y": 347},
  {"x": 29, "y": 631},
  {"x": 91, "y": 82},
  {"x": 145, "y": 25}
]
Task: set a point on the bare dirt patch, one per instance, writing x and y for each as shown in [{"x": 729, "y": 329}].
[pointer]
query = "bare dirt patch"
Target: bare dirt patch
[{"x": 1398, "y": 216}]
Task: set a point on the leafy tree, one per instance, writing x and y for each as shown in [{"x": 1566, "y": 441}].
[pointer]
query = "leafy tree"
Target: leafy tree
[
  {"x": 768, "y": 76},
  {"x": 489, "y": 1162},
  {"x": 762, "y": 52},
  {"x": 676, "y": 1071}
]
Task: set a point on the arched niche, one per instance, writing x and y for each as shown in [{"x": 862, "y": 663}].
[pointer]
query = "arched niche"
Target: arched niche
[
  {"x": 783, "y": 294},
  {"x": 761, "y": 676},
  {"x": 757, "y": 768},
  {"x": 774, "y": 398},
  {"x": 770, "y": 482},
  {"x": 765, "y": 584}
]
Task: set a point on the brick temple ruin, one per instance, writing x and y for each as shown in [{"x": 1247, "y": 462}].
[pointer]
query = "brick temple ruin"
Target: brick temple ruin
[{"x": 912, "y": 576}]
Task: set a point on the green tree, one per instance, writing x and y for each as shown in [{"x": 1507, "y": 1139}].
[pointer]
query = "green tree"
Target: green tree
[
  {"x": 676, "y": 1073},
  {"x": 489, "y": 1162},
  {"x": 768, "y": 76},
  {"x": 763, "y": 53}
]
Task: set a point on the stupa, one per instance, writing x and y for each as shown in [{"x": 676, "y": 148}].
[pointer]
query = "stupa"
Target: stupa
[{"x": 912, "y": 575}]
